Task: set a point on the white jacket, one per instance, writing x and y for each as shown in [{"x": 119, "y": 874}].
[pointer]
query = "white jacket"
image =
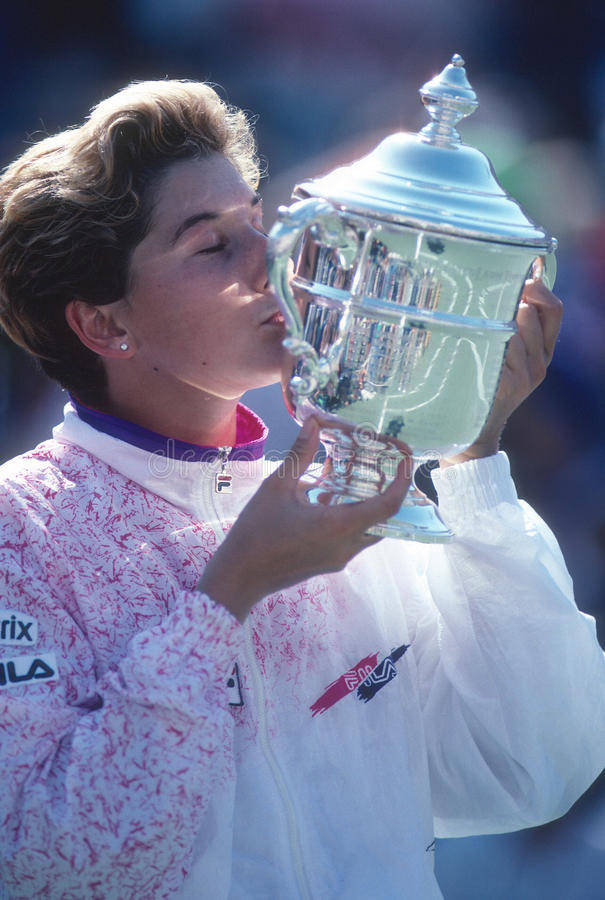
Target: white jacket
[{"x": 426, "y": 690}]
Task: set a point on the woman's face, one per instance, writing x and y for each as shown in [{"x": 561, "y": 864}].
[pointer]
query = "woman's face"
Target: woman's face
[{"x": 199, "y": 311}]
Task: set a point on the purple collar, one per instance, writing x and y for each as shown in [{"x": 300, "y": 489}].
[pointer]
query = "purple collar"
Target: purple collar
[{"x": 251, "y": 435}]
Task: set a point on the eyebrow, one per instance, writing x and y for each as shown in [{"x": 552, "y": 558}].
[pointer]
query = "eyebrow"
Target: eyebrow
[{"x": 207, "y": 216}]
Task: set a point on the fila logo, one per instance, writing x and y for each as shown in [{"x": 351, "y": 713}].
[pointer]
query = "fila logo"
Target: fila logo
[
  {"x": 27, "y": 669},
  {"x": 368, "y": 676},
  {"x": 224, "y": 483},
  {"x": 15, "y": 628},
  {"x": 356, "y": 676}
]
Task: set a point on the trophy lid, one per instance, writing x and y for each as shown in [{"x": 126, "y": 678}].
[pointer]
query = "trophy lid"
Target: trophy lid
[{"x": 431, "y": 179}]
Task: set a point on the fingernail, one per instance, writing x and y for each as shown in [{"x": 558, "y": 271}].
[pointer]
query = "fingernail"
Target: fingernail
[{"x": 537, "y": 268}]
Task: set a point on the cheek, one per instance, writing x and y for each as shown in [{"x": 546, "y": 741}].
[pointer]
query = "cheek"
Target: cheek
[
  {"x": 211, "y": 334},
  {"x": 169, "y": 310},
  {"x": 192, "y": 318}
]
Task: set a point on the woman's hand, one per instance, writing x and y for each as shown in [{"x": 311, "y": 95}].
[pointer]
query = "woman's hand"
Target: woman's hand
[
  {"x": 280, "y": 539},
  {"x": 528, "y": 356}
]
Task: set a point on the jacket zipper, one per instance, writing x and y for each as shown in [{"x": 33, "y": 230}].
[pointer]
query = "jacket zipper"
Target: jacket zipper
[
  {"x": 223, "y": 480},
  {"x": 259, "y": 701},
  {"x": 278, "y": 777}
]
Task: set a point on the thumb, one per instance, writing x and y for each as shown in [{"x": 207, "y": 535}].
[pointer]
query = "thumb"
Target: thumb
[{"x": 300, "y": 456}]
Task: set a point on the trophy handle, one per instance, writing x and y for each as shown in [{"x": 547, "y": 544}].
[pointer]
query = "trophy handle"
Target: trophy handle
[{"x": 292, "y": 221}]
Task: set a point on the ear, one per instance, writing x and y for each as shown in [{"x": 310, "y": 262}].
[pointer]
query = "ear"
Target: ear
[{"x": 98, "y": 328}]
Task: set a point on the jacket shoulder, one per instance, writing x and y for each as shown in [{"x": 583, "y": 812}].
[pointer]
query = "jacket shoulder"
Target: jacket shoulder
[{"x": 43, "y": 481}]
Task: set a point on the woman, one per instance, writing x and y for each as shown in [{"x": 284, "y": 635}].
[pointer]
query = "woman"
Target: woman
[{"x": 281, "y": 715}]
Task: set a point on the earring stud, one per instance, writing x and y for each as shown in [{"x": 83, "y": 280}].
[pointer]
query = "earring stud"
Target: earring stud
[{"x": 123, "y": 346}]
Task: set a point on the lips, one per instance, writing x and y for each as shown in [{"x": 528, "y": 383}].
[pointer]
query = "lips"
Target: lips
[{"x": 275, "y": 319}]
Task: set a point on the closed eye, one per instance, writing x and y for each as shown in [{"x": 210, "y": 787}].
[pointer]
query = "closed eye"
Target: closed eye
[{"x": 216, "y": 248}]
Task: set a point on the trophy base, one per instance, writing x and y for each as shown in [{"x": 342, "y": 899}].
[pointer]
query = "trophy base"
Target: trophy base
[
  {"x": 417, "y": 519},
  {"x": 358, "y": 466}
]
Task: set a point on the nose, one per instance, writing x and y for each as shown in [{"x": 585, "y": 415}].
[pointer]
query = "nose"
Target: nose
[{"x": 259, "y": 242}]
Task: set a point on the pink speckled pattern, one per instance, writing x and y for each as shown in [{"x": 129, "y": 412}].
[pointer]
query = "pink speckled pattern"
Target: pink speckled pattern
[{"x": 140, "y": 766}]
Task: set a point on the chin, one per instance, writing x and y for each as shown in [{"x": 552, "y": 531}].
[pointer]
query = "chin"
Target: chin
[
  {"x": 264, "y": 381},
  {"x": 269, "y": 370}
]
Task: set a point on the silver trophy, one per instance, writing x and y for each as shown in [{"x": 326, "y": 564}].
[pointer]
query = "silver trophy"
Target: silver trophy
[{"x": 399, "y": 278}]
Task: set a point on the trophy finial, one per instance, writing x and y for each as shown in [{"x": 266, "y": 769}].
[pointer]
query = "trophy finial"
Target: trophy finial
[{"x": 448, "y": 97}]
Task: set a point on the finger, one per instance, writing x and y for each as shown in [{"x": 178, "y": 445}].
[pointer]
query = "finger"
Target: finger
[
  {"x": 537, "y": 268},
  {"x": 300, "y": 456},
  {"x": 530, "y": 331},
  {"x": 368, "y": 540},
  {"x": 516, "y": 355},
  {"x": 549, "y": 309}
]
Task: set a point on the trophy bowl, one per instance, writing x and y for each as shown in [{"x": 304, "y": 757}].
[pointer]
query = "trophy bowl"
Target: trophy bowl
[{"x": 399, "y": 278}]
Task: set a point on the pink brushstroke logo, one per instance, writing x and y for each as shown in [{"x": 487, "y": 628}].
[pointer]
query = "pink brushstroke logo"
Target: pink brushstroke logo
[{"x": 345, "y": 684}]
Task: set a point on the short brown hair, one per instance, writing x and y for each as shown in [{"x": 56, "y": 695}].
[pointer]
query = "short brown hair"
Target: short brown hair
[{"x": 74, "y": 206}]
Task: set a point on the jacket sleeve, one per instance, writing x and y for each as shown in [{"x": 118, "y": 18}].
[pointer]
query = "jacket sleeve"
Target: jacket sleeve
[
  {"x": 512, "y": 679},
  {"x": 106, "y": 780}
]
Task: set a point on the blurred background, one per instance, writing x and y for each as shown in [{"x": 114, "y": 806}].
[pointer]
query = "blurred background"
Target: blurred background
[{"x": 327, "y": 80}]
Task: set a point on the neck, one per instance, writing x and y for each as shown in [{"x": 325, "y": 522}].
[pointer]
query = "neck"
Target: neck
[{"x": 195, "y": 417}]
